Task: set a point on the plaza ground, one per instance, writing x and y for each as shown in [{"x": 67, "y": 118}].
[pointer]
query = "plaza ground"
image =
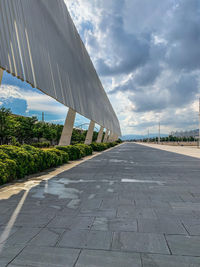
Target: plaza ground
[{"x": 133, "y": 205}]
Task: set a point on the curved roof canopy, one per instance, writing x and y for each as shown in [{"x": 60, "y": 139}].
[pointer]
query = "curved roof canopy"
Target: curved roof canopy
[{"x": 40, "y": 45}]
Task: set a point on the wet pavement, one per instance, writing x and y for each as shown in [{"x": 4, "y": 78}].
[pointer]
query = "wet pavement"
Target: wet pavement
[{"x": 130, "y": 206}]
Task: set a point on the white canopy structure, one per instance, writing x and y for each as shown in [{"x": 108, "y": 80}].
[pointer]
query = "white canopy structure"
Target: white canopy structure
[{"x": 39, "y": 44}]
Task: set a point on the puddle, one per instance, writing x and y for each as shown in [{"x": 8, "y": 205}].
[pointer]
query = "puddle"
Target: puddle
[
  {"x": 68, "y": 181},
  {"x": 56, "y": 189},
  {"x": 110, "y": 190},
  {"x": 73, "y": 204},
  {"x": 91, "y": 196},
  {"x": 141, "y": 181},
  {"x": 118, "y": 160}
]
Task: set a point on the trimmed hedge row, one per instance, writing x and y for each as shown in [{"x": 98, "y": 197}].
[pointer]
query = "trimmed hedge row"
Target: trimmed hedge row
[
  {"x": 102, "y": 146},
  {"x": 41, "y": 144},
  {"x": 17, "y": 162},
  {"x": 76, "y": 151}
]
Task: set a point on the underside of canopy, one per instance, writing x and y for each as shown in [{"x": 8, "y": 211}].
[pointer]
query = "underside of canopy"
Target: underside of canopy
[{"x": 39, "y": 44}]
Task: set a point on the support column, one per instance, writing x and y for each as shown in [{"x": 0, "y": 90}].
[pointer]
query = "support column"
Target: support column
[
  {"x": 106, "y": 136},
  {"x": 115, "y": 138},
  {"x": 110, "y": 138},
  {"x": 65, "y": 139},
  {"x": 88, "y": 139},
  {"x": 1, "y": 76},
  {"x": 100, "y": 134}
]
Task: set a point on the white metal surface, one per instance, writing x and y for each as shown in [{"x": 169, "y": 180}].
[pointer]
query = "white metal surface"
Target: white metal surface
[
  {"x": 1, "y": 76},
  {"x": 40, "y": 44}
]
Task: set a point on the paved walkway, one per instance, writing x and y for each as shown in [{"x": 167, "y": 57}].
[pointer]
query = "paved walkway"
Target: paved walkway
[
  {"x": 191, "y": 151},
  {"x": 130, "y": 206}
]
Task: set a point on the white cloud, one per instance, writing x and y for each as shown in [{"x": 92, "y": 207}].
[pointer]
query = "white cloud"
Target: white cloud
[
  {"x": 36, "y": 101},
  {"x": 148, "y": 53}
]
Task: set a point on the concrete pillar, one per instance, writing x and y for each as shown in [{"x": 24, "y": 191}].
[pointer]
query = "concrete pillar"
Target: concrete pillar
[
  {"x": 65, "y": 139},
  {"x": 110, "y": 138},
  {"x": 106, "y": 136},
  {"x": 88, "y": 139},
  {"x": 115, "y": 137},
  {"x": 100, "y": 134},
  {"x": 1, "y": 76}
]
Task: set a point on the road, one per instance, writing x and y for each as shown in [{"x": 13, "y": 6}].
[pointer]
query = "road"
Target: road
[{"x": 130, "y": 206}]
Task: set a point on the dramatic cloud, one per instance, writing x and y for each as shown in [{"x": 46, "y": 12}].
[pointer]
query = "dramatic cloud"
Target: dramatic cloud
[
  {"x": 35, "y": 101},
  {"x": 147, "y": 54}
]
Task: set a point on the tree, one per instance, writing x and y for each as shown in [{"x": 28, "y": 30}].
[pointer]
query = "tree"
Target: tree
[
  {"x": 6, "y": 125},
  {"x": 25, "y": 129}
]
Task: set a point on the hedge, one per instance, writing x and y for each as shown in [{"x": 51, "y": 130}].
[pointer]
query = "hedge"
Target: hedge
[
  {"x": 76, "y": 151},
  {"x": 18, "y": 161},
  {"x": 102, "y": 146},
  {"x": 41, "y": 144}
]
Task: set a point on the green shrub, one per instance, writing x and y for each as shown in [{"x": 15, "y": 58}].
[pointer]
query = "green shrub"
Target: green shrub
[
  {"x": 85, "y": 150},
  {"x": 41, "y": 145},
  {"x": 3, "y": 173},
  {"x": 23, "y": 159},
  {"x": 102, "y": 146},
  {"x": 99, "y": 146},
  {"x": 3, "y": 155},
  {"x": 38, "y": 156},
  {"x": 76, "y": 151},
  {"x": 59, "y": 156},
  {"x": 7, "y": 171},
  {"x": 73, "y": 151}
]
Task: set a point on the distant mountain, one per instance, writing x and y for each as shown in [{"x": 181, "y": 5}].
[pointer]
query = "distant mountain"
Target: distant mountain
[{"x": 137, "y": 137}]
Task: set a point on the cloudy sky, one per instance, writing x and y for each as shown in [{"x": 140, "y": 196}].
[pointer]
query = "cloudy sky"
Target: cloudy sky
[{"x": 147, "y": 54}]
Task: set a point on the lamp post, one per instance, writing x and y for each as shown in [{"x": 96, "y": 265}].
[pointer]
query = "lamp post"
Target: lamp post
[
  {"x": 199, "y": 125},
  {"x": 159, "y": 133}
]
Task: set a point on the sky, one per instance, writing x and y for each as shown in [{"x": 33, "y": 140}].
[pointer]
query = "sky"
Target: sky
[{"x": 147, "y": 54}]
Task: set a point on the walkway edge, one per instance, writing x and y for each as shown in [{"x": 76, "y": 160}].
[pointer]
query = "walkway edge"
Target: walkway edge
[{"x": 186, "y": 151}]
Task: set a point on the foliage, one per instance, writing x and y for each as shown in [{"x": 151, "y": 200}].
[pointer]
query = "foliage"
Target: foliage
[
  {"x": 85, "y": 150},
  {"x": 76, "y": 151},
  {"x": 17, "y": 162},
  {"x": 17, "y": 130},
  {"x": 6, "y": 125},
  {"x": 102, "y": 146},
  {"x": 170, "y": 138},
  {"x": 99, "y": 146},
  {"x": 41, "y": 144}
]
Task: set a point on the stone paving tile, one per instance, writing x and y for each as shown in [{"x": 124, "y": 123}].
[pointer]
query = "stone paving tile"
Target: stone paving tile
[
  {"x": 164, "y": 225},
  {"x": 33, "y": 221},
  {"x": 109, "y": 213},
  {"x": 7, "y": 254},
  {"x": 46, "y": 257},
  {"x": 92, "y": 258},
  {"x": 129, "y": 211},
  {"x": 140, "y": 242},
  {"x": 185, "y": 206},
  {"x": 151, "y": 204},
  {"x": 91, "y": 204},
  {"x": 86, "y": 239},
  {"x": 192, "y": 226},
  {"x": 6, "y": 232},
  {"x": 60, "y": 221},
  {"x": 184, "y": 245},
  {"x": 116, "y": 224},
  {"x": 68, "y": 222},
  {"x": 155, "y": 260},
  {"x": 48, "y": 237},
  {"x": 22, "y": 236},
  {"x": 170, "y": 213}
]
